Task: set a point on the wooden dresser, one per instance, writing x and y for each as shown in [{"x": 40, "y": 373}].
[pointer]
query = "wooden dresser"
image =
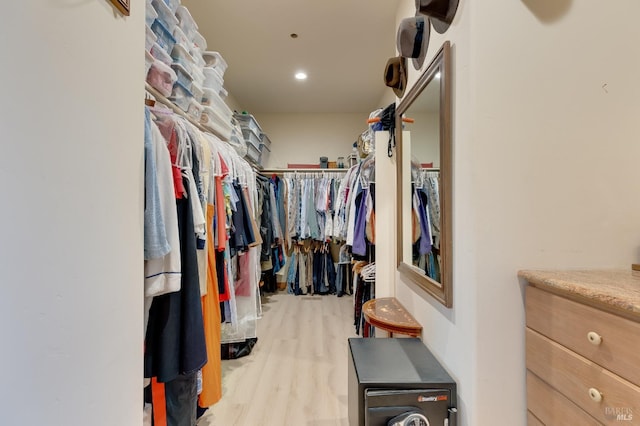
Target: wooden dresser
[{"x": 583, "y": 347}]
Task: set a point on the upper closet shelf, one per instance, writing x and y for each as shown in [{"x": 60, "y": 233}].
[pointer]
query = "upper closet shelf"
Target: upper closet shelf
[{"x": 217, "y": 130}]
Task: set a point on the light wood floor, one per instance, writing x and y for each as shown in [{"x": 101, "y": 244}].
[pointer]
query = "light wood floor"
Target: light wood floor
[{"x": 297, "y": 372}]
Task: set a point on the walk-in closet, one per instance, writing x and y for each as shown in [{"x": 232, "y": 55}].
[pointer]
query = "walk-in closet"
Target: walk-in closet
[{"x": 270, "y": 258}]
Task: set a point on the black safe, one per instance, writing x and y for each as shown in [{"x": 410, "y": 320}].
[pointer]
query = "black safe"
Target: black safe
[{"x": 398, "y": 381}]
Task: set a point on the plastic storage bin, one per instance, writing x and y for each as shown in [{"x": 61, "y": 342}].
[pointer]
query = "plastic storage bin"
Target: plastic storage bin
[
  {"x": 264, "y": 139},
  {"x": 253, "y": 153},
  {"x": 212, "y": 98},
  {"x": 212, "y": 79},
  {"x": 181, "y": 96},
  {"x": 247, "y": 121},
  {"x": 251, "y": 138},
  {"x": 172, "y": 4},
  {"x": 160, "y": 54},
  {"x": 161, "y": 77},
  {"x": 265, "y": 153},
  {"x": 196, "y": 52},
  {"x": 181, "y": 38},
  {"x": 181, "y": 56},
  {"x": 200, "y": 41},
  {"x": 210, "y": 118},
  {"x": 165, "y": 15},
  {"x": 215, "y": 60},
  {"x": 184, "y": 78},
  {"x": 186, "y": 22},
  {"x": 150, "y": 14},
  {"x": 148, "y": 60},
  {"x": 150, "y": 40},
  {"x": 198, "y": 76},
  {"x": 165, "y": 38},
  {"x": 195, "y": 110},
  {"x": 197, "y": 91}
]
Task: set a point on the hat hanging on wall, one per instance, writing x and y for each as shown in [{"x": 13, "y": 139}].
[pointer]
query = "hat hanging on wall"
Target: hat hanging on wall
[
  {"x": 440, "y": 12},
  {"x": 395, "y": 75},
  {"x": 412, "y": 40}
]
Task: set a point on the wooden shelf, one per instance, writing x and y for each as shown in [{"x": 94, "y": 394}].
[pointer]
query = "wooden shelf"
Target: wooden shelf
[{"x": 387, "y": 313}]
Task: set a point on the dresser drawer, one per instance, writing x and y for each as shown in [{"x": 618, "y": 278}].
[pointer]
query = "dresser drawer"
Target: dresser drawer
[
  {"x": 552, "y": 408},
  {"x": 573, "y": 376},
  {"x": 572, "y": 325}
]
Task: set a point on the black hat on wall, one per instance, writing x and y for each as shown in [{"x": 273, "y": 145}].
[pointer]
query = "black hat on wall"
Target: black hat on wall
[
  {"x": 412, "y": 40},
  {"x": 440, "y": 12},
  {"x": 395, "y": 75}
]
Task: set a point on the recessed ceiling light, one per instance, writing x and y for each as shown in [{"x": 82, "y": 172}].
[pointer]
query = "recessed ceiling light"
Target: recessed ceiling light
[{"x": 301, "y": 75}]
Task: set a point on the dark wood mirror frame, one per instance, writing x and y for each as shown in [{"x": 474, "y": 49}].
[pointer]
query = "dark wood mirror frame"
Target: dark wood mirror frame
[{"x": 441, "y": 291}]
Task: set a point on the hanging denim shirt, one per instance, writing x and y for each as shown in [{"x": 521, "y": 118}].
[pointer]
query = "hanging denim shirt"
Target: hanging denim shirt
[
  {"x": 292, "y": 272},
  {"x": 155, "y": 236}
]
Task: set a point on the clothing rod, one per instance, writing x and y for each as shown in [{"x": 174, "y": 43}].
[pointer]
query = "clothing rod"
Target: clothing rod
[
  {"x": 307, "y": 170},
  {"x": 159, "y": 97}
]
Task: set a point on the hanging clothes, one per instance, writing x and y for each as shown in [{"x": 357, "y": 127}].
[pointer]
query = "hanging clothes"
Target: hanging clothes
[
  {"x": 426, "y": 213},
  {"x": 175, "y": 341},
  {"x": 195, "y": 185}
]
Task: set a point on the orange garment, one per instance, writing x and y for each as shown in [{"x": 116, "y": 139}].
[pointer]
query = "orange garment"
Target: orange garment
[
  {"x": 370, "y": 228},
  {"x": 212, "y": 371},
  {"x": 159, "y": 403}
]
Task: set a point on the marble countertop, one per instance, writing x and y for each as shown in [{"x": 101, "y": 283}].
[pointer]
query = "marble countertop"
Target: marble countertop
[{"x": 617, "y": 291}]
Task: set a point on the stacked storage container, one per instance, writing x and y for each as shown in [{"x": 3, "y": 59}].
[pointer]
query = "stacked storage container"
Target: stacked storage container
[
  {"x": 160, "y": 41},
  {"x": 177, "y": 67},
  {"x": 251, "y": 132},
  {"x": 215, "y": 108},
  {"x": 265, "y": 149}
]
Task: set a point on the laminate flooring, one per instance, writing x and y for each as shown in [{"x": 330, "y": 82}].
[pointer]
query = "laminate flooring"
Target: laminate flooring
[{"x": 297, "y": 372}]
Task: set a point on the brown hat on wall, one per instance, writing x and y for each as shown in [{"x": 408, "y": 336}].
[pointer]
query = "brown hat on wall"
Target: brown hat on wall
[
  {"x": 395, "y": 75},
  {"x": 441, "y": 12},
  {"x": 413, "y": 39}
]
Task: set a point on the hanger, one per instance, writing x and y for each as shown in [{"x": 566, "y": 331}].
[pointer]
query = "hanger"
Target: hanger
[{"x": 148, "y": 101}]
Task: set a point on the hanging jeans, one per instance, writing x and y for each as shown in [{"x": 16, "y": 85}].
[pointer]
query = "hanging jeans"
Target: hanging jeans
[
  {"x": 342, "y": 279},
  {"x": 182, "y": 400},
  {"x": 324, "y": 273}
]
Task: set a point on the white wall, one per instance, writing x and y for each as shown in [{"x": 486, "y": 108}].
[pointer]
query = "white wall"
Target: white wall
[
  {"x": 304, "y": 138},
  {"x": 71, "y": 115},
  {"x": 560, "y": 128},
  {"x": 545, "y": 167},
  {"x": 426, "y": 147}
]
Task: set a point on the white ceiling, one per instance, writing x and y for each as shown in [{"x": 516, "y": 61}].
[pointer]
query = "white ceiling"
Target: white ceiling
[{"x": 343, "y": 45}]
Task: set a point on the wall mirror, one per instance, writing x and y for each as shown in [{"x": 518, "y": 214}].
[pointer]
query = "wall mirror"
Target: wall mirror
[{"x": 424, "y": 168}]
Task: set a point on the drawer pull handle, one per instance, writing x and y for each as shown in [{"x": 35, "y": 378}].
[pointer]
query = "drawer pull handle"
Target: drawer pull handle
[
  {"x": 594, "y": 338},
  {"x": 595, "y": 394}
]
